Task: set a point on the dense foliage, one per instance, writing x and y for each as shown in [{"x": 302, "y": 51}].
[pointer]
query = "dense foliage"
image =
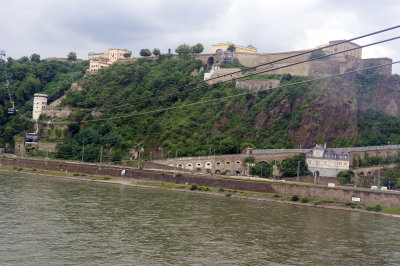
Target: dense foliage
[
  {"x": 29, "y": 76},
  {"x": 127, "y": 97}
]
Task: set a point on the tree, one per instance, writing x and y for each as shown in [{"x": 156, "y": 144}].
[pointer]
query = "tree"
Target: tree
[
  {"x": 288, "y": 167},
  {"x": 127, "y": 54},
  {"x": 145, "y": 52},
  {"x": 183, "y": 49},
  {"x": 231, "y": 48},
  {"x": 156, "y": 52},
  {"x": 316, "y": 54},
  {"x": 71, "y": 56},
  {"x": 345, "y": 176},
  {"x": 197, "y": 49},
  {"x": 35, "y": 58},
  {"x": 261, "y": 169},
  {"x": 390, "y": 179}
]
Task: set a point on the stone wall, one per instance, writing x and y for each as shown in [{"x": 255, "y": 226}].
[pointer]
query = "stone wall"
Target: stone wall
[
  {"x": 257, "y": 85},
  {"x": 225, "y": 74},
  {"x": 318, "y": 68},
  {"x": 386, "y": 198},
  {"x": 57, "y": 112}
]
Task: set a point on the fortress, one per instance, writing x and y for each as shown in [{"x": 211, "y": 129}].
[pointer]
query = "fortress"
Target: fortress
[
  {"x": 248, "y": 57},
  {"x": 335, "y": 64}
]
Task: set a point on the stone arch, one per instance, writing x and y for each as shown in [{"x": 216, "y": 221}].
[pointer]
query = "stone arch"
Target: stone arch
[
  {"x": 210, "y": 61},
  {"x": 219, "y": 51},
  {"x": 217, "y": 171},
  {"x": 180, "y": 165},
  {"x": 208, "y": 165},
  {"x": 198, "y": 167},
  {"x": 189, "y": 166}
]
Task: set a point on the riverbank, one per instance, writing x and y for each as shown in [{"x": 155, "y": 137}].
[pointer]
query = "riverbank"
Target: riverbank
[{"x": 221, "y": 192}]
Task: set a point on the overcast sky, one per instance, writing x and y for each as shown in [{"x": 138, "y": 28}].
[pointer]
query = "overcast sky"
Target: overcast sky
[{"x": 52, "y": 28}]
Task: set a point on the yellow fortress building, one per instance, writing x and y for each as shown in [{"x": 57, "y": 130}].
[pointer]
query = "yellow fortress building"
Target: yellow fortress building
[{"x": 222, "y": 47}]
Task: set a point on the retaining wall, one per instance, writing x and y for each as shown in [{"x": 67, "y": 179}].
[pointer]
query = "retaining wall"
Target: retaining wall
[{"x": 386, "y": 198}]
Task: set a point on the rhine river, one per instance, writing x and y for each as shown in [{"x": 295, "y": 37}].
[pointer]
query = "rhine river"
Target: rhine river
[{"x": 55, "y": 221}]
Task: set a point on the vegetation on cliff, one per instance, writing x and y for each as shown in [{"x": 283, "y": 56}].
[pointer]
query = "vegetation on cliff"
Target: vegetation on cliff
[
  {"x": 287, "y": 117},
  {"x": 27, "y": 77}
]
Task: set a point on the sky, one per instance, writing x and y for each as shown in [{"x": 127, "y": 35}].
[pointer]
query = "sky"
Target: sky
[{"x": 53, "y": 28}]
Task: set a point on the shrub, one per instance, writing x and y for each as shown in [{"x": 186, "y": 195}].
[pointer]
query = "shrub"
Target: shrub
[
  {"x": 276, "y": 195},
  {"x": 106, "y": 178},
  {"x": 377, "y": 208},
  {"x": 370, "y": 208},
  {"x": 228, "y": 194},
  {"x": 34, "y": 170},
  {"x": 20, "y": 169},
  {"x": 204, "y": 188},
  {"x": 76, "y": 174},
  {"x": 295, "y": 198},
  {"x": 305, "y": 199},
  {"x": 318, "y": 202},
  {"x": 194, "y": 187},
  {"x": 221, "y": 189}
]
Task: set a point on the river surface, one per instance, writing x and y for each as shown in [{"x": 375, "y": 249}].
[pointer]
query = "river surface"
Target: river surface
[{"x": 55, "y": 221}]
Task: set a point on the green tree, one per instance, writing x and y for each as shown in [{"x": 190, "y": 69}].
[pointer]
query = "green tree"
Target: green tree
[
  {"x": 345, "y": 176},
  {"x": 231, "y": 48},
  {"x": 71, "y": 56},
  {"x": 35, "y": 58},
  {"x": 145, "y": 52},
  {"x": 197, "y": 48},
  {"x": 316, "y": 54},
  {"x": 261, "y": 169},
  {"x": 390, "y": 178},
  {"x": 288, "y": 167},
  {"x": 156, "y": 52},
  {"x": 183, "y": 49},
  {"x": 128, "y": 54}
]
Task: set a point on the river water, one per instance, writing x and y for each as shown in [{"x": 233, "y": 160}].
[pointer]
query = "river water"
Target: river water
[{"x": 55, "y": 221}]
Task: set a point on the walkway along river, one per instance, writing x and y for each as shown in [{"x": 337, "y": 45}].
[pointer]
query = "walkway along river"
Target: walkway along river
[{"x": 388, "y": 198}]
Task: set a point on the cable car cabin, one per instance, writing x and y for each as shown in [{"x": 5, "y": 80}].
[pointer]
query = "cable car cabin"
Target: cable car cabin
[
  {"x": 31, "y": 138},
  {"x": 11, "y": 111}
]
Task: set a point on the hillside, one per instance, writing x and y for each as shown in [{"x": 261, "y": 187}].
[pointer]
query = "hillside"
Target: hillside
[
  {"x": 27, "y": 78},
  {"x": 346, "y": 111}
]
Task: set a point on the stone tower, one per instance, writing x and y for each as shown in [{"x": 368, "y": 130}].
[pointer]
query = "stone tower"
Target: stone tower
[{"x": 39, "y": 101}]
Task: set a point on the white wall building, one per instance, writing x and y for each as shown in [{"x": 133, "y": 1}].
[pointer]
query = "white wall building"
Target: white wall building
[
  {"x": 327, "y": 162},
  {"x": 39, "y": 101}
]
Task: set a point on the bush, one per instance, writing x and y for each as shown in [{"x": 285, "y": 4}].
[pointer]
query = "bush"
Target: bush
[
  {"x": 194, "y": 187},
  {"x": 295, "y": 198},
  {"x": 20, "y": 169},
  {"x": 377, "y": 208},
  {"x": 204, "y": 188},
  {"x": 76, "y": 174},
  {"x": 34, "y": 170},
  {"x": 318, "y": 202},
  {"x": 276, "y": 195},
  {"x": 305, "y": 200},
  {"x": 221, "y": 189},
  {"x": 106, "y": 178},
  {"x": 228, "y": 194}
]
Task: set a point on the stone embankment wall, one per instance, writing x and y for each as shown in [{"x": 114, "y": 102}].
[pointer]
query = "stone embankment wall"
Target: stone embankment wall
[
  {"x": 310, "y": 179},
  {"x": 386, "y": 198},
  {"x": 258, "y": 85}
]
